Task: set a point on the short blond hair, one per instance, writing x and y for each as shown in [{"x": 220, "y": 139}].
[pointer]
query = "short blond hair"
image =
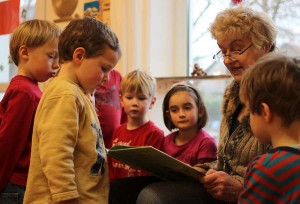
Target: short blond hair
[
  {"x": 240, "y": 20},
  {"x": 138, "y": 81},
  {"x": 32, "y": 34}
]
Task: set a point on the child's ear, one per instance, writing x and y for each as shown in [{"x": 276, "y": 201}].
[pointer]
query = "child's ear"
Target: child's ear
[
  {"x": 23, "y": 52},
  {"x": 200, "y": 113},
  {"x": 121, "y": 101},
  {"x": 152, "y": 102},
  {"x": 266, "y": 112},
  {"x": 78, "y": 54}
]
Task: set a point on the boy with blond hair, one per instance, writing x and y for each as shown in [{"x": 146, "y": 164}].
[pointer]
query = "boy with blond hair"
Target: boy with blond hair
[
  {"x": 137, "y": 97},
  {"x": 270, "y": 89},
  {"x": 137, "y": 92},
  {"x": 34, "y": 49},
  {"x": 68, "y": 160}
]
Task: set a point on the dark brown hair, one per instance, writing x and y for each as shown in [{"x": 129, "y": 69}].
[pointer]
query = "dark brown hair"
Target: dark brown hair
[
  {"x": 194, "y": 94},
  {"x": 89, "y": 33},
  {"x": 275, "y": 80}
]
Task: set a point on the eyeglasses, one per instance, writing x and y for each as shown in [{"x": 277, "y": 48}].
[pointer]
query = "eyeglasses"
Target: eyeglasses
[{"x": 232, "y": 55}]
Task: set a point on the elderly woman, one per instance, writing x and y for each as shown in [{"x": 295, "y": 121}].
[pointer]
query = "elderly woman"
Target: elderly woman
[{"x": 243, "y": 36}]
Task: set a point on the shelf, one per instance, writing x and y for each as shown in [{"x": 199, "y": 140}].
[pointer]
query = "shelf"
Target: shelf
[
  {"x": 3, "y": 87},
  {"x": 181, "y": 78}
]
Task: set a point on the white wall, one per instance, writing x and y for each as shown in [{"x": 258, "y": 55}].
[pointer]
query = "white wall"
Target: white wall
[{"x": 168, "y": 38}]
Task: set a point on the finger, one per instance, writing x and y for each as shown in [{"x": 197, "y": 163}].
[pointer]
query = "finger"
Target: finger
[
  {"x": 210, "y": 171},
  {"x": 210, "y": 177}
]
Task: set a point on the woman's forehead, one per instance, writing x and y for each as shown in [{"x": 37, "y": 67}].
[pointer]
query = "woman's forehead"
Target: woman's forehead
[{"x": 227, "y": 41}]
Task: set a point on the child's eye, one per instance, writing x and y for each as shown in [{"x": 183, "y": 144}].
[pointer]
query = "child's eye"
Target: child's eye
[
  {"x": 173, "y": 110},
  {"x": 188, "y": 107},
  {"x": 104, "y": 69}
]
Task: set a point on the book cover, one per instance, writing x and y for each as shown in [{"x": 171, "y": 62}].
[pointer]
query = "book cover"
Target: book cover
[{"x": 155, "y": 162}]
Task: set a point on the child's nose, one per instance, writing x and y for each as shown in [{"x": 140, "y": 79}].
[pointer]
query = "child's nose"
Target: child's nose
[
  {"x": 135, "y": 102},
  {"x": 56, "y": 64},
  {"x": 181, "y": 113}
]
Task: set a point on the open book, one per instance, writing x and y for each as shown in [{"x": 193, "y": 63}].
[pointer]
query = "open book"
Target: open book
[{"x": 155, "y": 162}]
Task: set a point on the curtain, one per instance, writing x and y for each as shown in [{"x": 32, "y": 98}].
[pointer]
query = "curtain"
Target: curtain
[{"x": 130, "y": 21}]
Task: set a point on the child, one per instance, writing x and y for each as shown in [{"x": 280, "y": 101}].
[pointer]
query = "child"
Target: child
[
  {"x": 184, "y": 111},
  {"x": 68, "y": 160},
  {"x": 270, "y": 89},
  {"x": 107, "y": 103},
  {"x": 137, "y": 91},
  {"x": 34, "y": 49},
  {"x": 137, "y": 96}
]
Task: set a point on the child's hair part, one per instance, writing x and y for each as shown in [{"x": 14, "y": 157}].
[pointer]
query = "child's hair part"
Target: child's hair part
[
  {"x": 138, "y": 81},
  {"x": 275, "y": 80},
  {"x": 32, "y": 34},
  {"x": 89, "y": 33},
  {"x": 197, "y": 98}
]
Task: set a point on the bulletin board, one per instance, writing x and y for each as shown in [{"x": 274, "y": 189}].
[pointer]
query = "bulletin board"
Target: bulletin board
[{"x": 63, "y": 11}]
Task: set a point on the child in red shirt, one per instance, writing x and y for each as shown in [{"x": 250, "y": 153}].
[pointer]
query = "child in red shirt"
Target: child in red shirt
[
  {"x": 34, "y": 49},
  {"x": 108, "y": 106},
  {"x": 137, "y": 96}
]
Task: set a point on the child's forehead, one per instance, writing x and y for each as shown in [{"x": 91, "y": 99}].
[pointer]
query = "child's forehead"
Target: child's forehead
[
  {"x": 135, "y": 92},
  {"x": 135, "y": 88}
]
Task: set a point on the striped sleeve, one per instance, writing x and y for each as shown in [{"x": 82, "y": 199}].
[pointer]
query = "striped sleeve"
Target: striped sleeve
[{"x": 273, "y": 178}]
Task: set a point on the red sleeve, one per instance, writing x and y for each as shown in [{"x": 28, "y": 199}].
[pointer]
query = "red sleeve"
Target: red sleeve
[
  {"x": 15, "y": 130},
  {"x": 207, "y": 151}
]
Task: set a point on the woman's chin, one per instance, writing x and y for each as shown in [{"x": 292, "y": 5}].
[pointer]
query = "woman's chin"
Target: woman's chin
[{"x": 237, "y": 78}]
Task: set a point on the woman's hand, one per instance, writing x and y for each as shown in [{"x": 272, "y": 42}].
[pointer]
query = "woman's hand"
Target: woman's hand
[{"x": 221, "y": 186}]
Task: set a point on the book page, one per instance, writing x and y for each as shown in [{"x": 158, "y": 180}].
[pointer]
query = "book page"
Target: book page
[{"x": 156, "y": 162}]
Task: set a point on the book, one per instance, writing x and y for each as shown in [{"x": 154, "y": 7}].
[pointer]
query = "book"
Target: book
[{"x": 155, "y": 162}]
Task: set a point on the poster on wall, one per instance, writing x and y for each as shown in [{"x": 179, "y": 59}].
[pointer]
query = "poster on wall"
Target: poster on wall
[
  {"x": 63, "y": 11},
  {"x": 105, "y": 11},
  {"x": 91, "y": 8},
  {"x": 9, "y": 15}
]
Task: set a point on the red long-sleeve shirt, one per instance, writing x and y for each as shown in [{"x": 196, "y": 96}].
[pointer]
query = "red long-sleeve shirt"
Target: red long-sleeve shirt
[{"x": 17, "y": 110}]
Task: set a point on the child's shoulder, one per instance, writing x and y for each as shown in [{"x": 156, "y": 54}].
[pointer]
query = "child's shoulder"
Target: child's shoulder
[
  {"x": 62, "y": 86},
  {"x": 151, "y": 126},
  {"x": 205, "y": 135},
  {"x": 280, "y": 156},
  {"x": 21, "y": 84}
]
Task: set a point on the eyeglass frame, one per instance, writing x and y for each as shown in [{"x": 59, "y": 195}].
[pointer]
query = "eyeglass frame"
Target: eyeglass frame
[{"x": 221, "y": 57}]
